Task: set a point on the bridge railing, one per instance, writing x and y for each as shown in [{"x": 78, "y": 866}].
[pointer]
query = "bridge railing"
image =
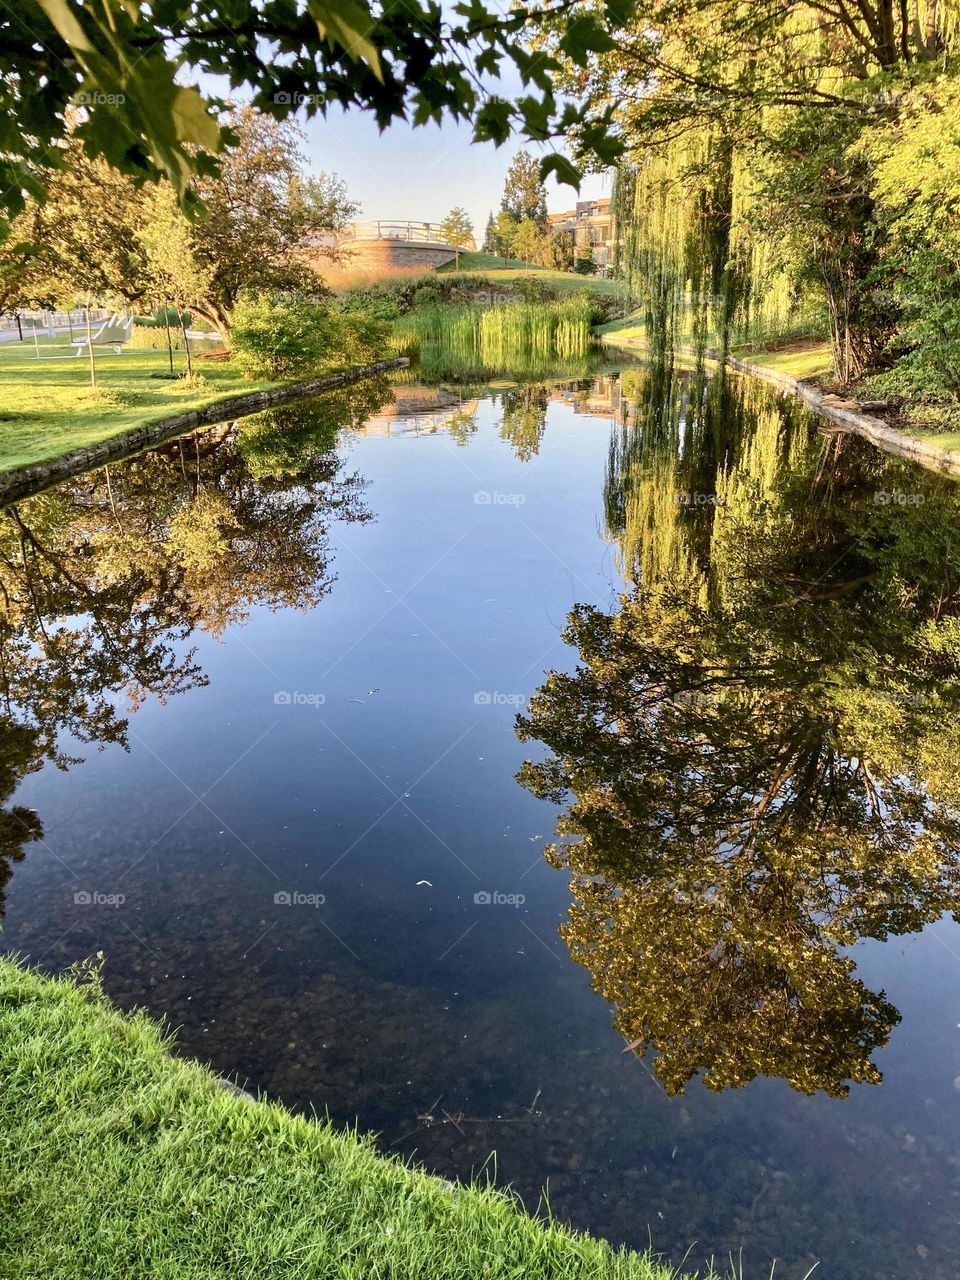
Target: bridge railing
[{"x": 415, "y": 232}]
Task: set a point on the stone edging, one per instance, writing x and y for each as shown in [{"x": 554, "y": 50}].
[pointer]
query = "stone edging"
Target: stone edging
[
  {"x": 845, "y": 416},
  {"x": 873, "y": 429},
  {"x": 22, "y": 481}
]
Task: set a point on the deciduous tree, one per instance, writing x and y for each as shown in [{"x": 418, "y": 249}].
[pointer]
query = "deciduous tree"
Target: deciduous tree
[{"x": 123, "y": 64}]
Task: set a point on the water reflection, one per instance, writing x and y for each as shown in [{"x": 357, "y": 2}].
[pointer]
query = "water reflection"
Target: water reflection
[
  {"x": 788, "y": 617},
  {"x": 758, "y": 748},
  {"x": 104, "y": 580}
]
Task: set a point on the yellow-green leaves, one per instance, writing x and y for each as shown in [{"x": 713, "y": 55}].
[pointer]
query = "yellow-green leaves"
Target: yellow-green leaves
[
  {"x": 348, "y": 25},
  {"x": 129, "y": 90}
]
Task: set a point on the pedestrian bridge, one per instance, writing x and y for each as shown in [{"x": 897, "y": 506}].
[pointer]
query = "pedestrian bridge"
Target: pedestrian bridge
[
  {"x": 387, "y": 243},
  {"x": 407, "y": 232}
]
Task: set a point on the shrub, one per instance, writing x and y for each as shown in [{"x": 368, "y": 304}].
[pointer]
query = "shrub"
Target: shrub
[
  {"x": 603, "y": 306},
  {"x": 375, "y": 301},
  {"x": 290, "y": 337},
  {"x": 395, "y": 295},
  {"x": 530, "y": 289},
  {"x": 164, "y": 314},
  {"x": 426, "y": 296}
]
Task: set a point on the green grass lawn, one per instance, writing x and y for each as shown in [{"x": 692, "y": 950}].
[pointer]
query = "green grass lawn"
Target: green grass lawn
[
  {"x": 118, "y": 1161},
  {"x": 507, "y": 269},
  {"x": 943, "y": 439},
  {"x": 630, "y": 329},
  {"x": 799, "y": 359},
  {"x": 808, "y": 360},
  {"x": 47, "y": 407}
]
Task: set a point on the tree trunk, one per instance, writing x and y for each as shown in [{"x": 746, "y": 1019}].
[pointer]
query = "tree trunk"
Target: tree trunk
[{"x": 217, "y": 316}]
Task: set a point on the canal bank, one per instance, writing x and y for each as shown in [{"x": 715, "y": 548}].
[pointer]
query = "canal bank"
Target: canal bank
[
  {"x": 21, "y": 481},
  {"x": 847, "y": 414},
  {"x": 139, "y": 1163}
]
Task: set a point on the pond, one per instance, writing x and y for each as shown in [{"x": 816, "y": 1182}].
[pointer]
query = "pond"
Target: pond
[{"x": 261, "y": 750}]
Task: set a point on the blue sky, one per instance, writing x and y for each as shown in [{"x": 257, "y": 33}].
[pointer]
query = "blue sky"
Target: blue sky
[{"x": 422, "y": 173}]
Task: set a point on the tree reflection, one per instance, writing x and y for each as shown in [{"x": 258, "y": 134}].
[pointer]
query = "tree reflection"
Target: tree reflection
[
  {"x": 18, "y": 824},
  {"x": 104, "y": 580},
  {"x": 759, "y": 746},
  {"x": 524, "y": 418}
]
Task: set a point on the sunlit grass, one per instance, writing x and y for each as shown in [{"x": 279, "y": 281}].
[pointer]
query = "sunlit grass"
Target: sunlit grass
[
  {"x": 800, "y": 359},
  {"x": 118, "y": 1161},
  {"x": 48, "y": 407},
  {"x": 505, "y": 270}
]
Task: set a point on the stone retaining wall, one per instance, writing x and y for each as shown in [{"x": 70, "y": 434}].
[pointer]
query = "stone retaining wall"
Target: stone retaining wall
[
  {"x": 845, "y": 414},
  {"x": 375, "y": 255},
  {"x": 23, "y": 481}
]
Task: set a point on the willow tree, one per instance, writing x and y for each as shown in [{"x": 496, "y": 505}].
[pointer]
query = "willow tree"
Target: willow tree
[{"x": 744, "y": 126}]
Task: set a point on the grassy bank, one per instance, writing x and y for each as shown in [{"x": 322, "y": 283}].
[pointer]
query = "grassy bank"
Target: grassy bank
[
  {"x": 47, "y": 407},
  {"x": 117, "y": 1160},
  {"x": 811, "y": 361},
  {"x": 806, "y": 359},
  {"x": 506, "y": 270}
]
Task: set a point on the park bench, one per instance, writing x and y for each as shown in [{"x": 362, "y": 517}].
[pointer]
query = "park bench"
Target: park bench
[{"x": 114, "y": 332}]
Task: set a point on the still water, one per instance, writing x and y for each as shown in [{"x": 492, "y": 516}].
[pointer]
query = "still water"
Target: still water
[{"x": 260, "y": 748}]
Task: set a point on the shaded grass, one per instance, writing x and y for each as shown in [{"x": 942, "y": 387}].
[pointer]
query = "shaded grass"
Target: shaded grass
[
  {"x": 119, "y": 1161},
  {"x": 47, "y": 407}
]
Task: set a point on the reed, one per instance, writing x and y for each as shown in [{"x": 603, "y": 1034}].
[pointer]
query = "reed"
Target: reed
[{"x": 507, "y": 336}]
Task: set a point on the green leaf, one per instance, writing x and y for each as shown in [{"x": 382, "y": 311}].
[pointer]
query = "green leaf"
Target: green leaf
[
  {"x": 584, "y": 36},
  {"x": 348, "y": 24},
  {"x": 566, "y": 171},
  {"x": 492, "y": 122}
]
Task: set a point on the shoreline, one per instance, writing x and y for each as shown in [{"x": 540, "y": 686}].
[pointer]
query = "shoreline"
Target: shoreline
[
  {"x": 844, "y": 413},
  {"x": 22, "y": 482},
  {"x": 202, "y": 1177}
]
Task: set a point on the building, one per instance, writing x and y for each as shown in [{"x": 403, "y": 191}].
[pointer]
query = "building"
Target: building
[{"x": 591, "y": 224}]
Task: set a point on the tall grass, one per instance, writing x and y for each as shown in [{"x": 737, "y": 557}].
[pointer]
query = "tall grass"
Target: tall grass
[
  {"x": 344, "y": 276},
  {"x": 505, "y": 337}
]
